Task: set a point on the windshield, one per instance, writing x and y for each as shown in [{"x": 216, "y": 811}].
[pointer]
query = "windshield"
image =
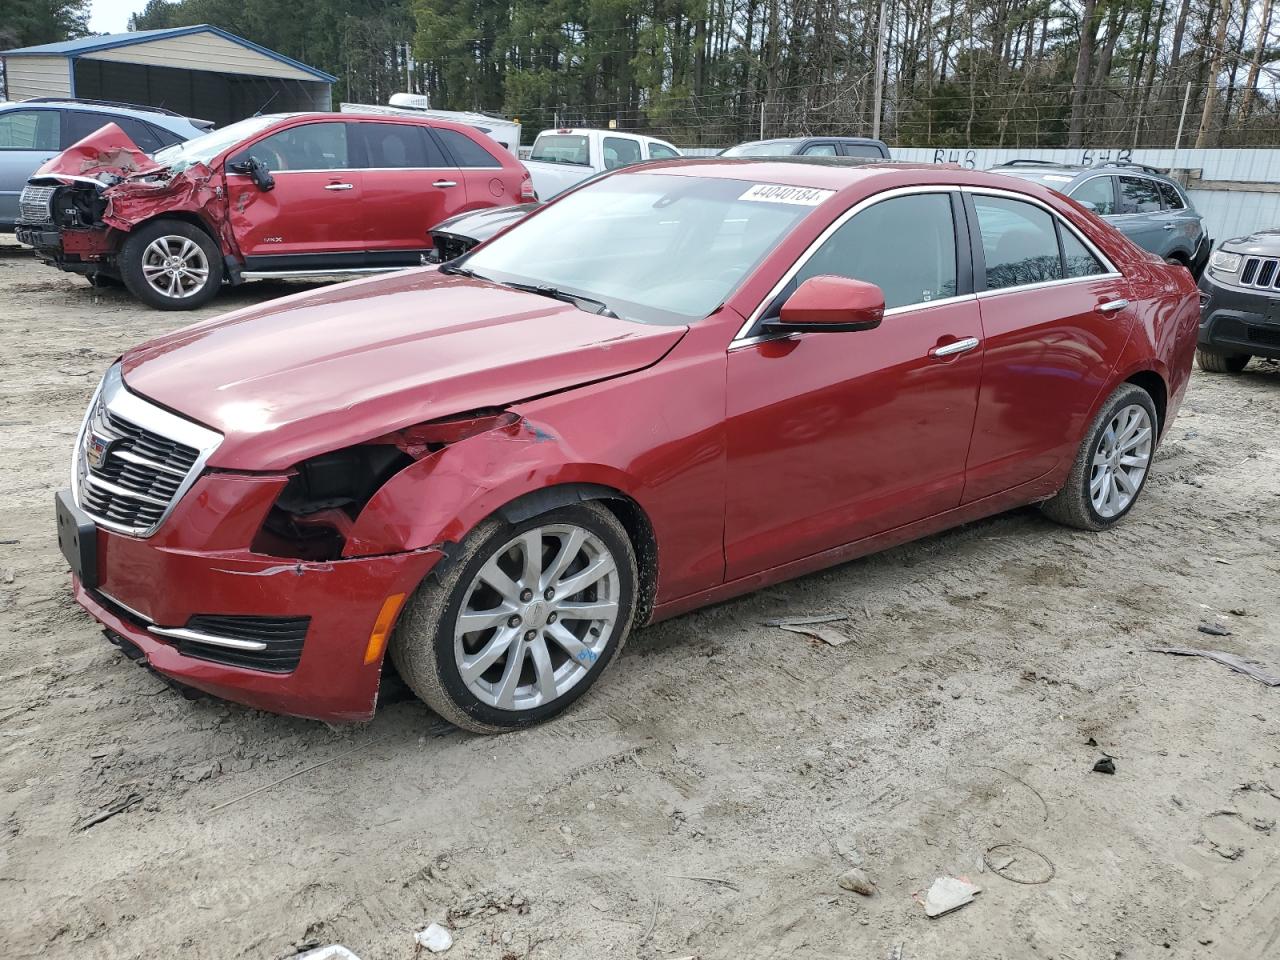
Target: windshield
[
  {"x": 561, "y": 148},
  {"x": 204, "y": 149},
  {"x": 763, "y": 148},
  {"x": 655, "y": 248}
]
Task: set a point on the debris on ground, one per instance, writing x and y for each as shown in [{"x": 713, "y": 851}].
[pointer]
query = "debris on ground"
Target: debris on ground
[
  {"x": 812, "y": 627},
  {"x": 1249, "y": 668},
  {"x": 949, "y": 893},
  {"x": 1105, "y": 765},
  {"x": 334, "y": 951},
  {"x": 1019, "y": 864},
  {"x": 127, "y": 802},
  {"x": 435, "y": 938},
  {"x": 857, "y": 881},
  {"x": 1214, "y": 629}
]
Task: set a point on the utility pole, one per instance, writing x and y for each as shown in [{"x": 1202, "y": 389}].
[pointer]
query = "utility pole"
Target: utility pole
[
  {"x": 879, "y": 87},
  {"x": 1186, "y": 99}
]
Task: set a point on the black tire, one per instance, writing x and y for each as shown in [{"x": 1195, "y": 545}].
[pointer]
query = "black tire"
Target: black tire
[
  {"x": 422, "y": 647},
  {"x": 1221, "y": 362},
  {"x": 1073, "y": 506},
  {"x": 135, "y": 248}
]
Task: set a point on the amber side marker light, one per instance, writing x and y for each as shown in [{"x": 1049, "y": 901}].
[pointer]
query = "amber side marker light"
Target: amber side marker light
[{"x": 382, "y": 627}]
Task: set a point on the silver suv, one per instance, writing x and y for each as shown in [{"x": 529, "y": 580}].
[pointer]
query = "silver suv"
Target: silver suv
[
  {"x": 1141, "y": 202},
  {"x": 33, "y": 132}
]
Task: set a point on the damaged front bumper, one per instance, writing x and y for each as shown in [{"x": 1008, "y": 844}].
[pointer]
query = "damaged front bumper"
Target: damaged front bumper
[{"x": 281, "y": 635}]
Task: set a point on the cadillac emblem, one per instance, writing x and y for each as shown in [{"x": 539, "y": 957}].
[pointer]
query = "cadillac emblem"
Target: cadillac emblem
[{"x": 95, "y": 450}]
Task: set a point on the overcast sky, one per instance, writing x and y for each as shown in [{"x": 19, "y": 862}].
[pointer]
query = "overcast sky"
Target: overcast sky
[{"x": 112, "y": 16}]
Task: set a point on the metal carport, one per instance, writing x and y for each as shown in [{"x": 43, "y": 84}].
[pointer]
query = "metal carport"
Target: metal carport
[{"x": 200, "y": 71}]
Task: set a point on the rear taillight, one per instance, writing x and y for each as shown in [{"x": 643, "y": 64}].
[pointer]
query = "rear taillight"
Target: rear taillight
[{"x": 527, "y": 193}]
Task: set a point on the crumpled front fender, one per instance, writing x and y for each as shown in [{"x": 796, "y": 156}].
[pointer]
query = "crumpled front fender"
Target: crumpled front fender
[{"x": 441, "y": 497}]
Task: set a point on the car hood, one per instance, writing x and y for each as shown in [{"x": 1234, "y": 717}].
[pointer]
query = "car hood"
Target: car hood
[
  {"x": 106, "y": 155},
  {"x": 480, "y": 225},
  {"x": 1260, "y": 243},
  {"x": 326, "y": 369}
]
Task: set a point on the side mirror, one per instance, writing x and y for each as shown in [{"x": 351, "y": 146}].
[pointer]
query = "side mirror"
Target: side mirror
[
  {"x": 254, "y": 169},
  {"x": 830, "y": 304}
]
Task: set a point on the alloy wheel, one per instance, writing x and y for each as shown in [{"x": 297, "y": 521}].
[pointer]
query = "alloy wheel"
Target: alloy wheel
[
  {"x": 537, "y": 616},
  {"x": 175, "y": 267},
  {"x": 1120, "y": 461}
]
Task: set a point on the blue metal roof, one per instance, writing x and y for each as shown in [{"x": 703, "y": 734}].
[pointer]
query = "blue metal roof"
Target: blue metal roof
[{"x": 74, "y": 48}]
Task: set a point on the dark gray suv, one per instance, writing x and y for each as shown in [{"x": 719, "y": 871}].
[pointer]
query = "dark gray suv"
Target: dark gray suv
[
  {"x": 1140, "y": 201},
  {"x": 1240, "y": 303}
]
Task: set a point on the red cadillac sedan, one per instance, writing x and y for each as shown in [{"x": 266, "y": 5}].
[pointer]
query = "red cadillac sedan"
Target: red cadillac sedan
[{"x": 676, "y": 384}]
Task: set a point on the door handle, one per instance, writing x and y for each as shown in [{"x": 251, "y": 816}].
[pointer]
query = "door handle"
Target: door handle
[
  {"x": 1171, "y": 226},
  {"x": 1111, "y": 306},
  {"x": 951, "y": 349},
  {"x": 341, "y": 186},
  {"x": 445, "y": 183}
]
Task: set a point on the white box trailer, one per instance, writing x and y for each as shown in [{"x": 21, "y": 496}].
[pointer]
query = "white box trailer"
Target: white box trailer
[{"x": 506, "y": 132}]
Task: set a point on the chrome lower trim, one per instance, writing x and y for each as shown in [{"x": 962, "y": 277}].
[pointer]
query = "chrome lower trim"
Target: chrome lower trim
[
  {"x": 141, "y": 617},
  {"x": 195, "y": 636},
  {"x": 317, "y": 274}
]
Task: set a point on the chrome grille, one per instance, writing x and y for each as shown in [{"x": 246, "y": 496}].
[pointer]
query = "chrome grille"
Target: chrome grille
[
  {"x": 135, "y": 460},
  {"x": 1263, "y": 272},
  {"x": 35, "y": 204}
]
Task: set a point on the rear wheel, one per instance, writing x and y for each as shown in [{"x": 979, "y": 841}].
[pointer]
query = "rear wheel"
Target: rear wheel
[
  {"x": 1221, "y": 362},
  {"x": 1111, "y": 466},
  {"x": 171, "y": 265},
  {"x": 523, "y": 620}
]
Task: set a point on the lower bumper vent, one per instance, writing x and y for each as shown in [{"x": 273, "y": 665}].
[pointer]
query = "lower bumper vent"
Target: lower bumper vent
[{"x": 271, "y": 644}]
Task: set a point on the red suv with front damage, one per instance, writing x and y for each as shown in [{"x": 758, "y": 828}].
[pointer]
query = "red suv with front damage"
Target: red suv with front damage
[
  {"x": 667, "y": 387},
  {"x": 297, "y": 195}
]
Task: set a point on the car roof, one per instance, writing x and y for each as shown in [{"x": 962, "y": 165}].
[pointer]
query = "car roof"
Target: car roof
[
  {"x": 827, "y": 173},
  {"x": 155, "y": 115},
  {"x": 1032, "y": 169}
]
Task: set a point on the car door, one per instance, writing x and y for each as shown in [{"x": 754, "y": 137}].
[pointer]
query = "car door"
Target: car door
[
  {"x": 1181, "y": 222},
  {"x": 1055, "y": 317},
  {"x": 833, "y": 437},
  {"x": 409, "y": 187},
  {"x": 28, "y": 138},
  {"x": 488, "y": 182},
  {"x": 1139, "y": 215},
  {"x": 312, "y": 217}
]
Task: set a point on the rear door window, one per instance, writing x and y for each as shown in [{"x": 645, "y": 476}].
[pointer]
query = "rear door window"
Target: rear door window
[
  {"x": 619, "y": 151},
  {"x": 1077, "y": 258},
  {"x": 1099, "y": 193},
  {"x": 310, "y": 146},
  {"x": 867, "y": 150},
  {"x": 1172, "y": 199},
  {"x": 29, "y": 130},
  {"x": 1139, "y": 195},
  {"x": 1019, "y": 243},
  {"x": 819, "y": 150},
  {"x": 466, "y": 151},
  {"x": 395, "y": 146}
]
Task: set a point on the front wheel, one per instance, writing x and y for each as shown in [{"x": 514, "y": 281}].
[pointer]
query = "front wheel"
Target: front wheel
[
  {"x": 171, "y": 265},
  {"x": 1111, "y": 466},
  {"x": 523, "y": 621},
  {"x": 1221, "y": 362}
]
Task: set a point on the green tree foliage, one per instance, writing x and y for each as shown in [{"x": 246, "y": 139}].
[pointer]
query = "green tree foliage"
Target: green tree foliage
[{"x": 25, "y": 23}]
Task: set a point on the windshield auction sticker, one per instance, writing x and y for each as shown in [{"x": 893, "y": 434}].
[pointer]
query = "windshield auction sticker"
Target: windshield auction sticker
[{"x": 774, "y": 193}]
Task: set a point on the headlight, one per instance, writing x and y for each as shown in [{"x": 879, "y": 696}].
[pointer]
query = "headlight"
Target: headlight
[{"x": 1223, "y": 262}]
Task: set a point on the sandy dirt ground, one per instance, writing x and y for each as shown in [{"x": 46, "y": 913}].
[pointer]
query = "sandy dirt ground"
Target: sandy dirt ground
[{"x": 704, "y": 798}]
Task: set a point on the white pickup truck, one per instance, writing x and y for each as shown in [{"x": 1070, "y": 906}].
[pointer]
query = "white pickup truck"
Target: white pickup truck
[{"x": 561, "y": 158}]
